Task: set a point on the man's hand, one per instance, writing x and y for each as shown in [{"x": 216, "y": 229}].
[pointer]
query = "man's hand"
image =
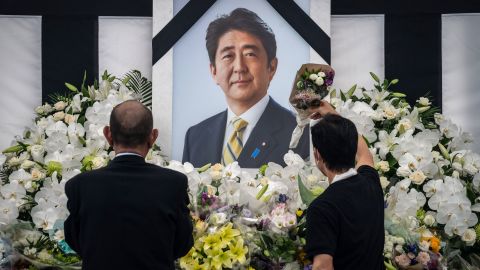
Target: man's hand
[
  {"x": 323, "y": 262},
  {"x": 323, "y": 109}
]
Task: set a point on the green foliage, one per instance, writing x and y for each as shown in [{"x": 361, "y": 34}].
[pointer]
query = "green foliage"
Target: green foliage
[
  {"x": 306, "y": 195},
  {"x": 140, "y": 85}
]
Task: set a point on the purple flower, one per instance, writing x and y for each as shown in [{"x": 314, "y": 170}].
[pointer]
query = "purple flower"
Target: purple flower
[{"x": 282, "y": 198}]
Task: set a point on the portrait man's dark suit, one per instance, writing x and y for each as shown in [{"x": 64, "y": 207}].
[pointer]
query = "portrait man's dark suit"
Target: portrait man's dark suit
[
  {"x": 127, "y": 208},
  {"x": 271, "y": 136}
]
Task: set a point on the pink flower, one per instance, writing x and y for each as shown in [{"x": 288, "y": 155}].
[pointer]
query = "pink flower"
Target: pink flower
[
  {"x": 423, "y": 258},
  {"x": 402, "y": 260}
]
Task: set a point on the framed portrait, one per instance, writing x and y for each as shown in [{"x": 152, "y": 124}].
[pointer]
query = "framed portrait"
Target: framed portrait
[{"x": 185, "y": 92}]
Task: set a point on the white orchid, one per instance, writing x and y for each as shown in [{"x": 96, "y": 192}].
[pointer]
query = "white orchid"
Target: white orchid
[{"x": 9, "y": 211}]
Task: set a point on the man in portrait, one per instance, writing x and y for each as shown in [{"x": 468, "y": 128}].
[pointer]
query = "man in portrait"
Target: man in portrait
[{"x": 254, "y": 129}]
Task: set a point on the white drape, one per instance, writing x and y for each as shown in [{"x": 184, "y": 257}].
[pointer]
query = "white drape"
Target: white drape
[
  {"x": 357, "y": 49},
  {"x": 21, "y": 76},
  {"x": 461, "y": 69},
  {"x": 124, "y": 43}
]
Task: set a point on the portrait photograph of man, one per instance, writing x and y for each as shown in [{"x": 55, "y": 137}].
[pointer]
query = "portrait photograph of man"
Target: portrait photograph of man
[{"x": 249, "y": 119}]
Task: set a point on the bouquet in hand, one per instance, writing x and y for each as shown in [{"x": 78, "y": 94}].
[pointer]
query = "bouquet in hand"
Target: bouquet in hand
[{"x": 312, "y": 83}]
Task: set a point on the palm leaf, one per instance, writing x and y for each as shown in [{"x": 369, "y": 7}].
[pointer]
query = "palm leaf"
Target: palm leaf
[{"x": 140, "y": 85}]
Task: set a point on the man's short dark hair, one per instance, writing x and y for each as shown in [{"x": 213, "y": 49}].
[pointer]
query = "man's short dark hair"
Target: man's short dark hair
[
  {"x": 336, "y": 139},
  {"x": 132, "y": 125},
  {"x": 243, "y": 20}
]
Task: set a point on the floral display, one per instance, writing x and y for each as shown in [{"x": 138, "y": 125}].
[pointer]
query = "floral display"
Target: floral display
[
  {"x": 255, "y": 218},
  {"x": 65, "y": 139},
  {"x": 312, "y": 84}
]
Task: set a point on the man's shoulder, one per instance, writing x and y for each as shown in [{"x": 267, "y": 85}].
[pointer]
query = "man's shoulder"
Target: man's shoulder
[
  {"x": 207, "y": 123},
  {"x": 275, "y": 108}
]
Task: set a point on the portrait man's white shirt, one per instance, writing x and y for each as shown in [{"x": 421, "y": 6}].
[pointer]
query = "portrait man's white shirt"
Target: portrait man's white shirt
[{"x": 252, "y": 116}]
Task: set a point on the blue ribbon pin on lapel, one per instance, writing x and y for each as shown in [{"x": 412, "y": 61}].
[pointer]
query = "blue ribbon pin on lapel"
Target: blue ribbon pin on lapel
[{"x": 255, "y": 153}]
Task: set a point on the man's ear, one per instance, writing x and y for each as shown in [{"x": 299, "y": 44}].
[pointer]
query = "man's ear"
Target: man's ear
[
  {"x": 153, "y": 137},
  {"x": 213, "y": 72},
  {"x": 272, "y": 67},
  {"x": 108, "y": 135},
  {"x": 317, "y": 155}
]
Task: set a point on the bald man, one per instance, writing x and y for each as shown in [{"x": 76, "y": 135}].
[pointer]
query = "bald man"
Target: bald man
[{"x": 130, "y": 214}]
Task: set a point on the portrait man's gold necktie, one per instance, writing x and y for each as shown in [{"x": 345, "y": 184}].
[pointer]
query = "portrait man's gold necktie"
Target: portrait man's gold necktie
[{"x": 234, "y": 145}]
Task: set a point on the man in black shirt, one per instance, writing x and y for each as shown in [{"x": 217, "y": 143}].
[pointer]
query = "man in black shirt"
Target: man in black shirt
[{"x": 345, "y": 224}]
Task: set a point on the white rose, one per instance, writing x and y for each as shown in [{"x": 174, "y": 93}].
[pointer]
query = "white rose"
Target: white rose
[
  {"x": 217, "y": 167},
  {"x": 424, "y": 101},
  {"x": 59, "y": 106},
  {"x": 37, "y": 152},
  {"x": 384, "y": 182},
  {"x": 37, "y": 174},
  {"x": 98, "y": 162},
  {"x": 383, "y": 166},
  {"x": 58, "y": 116},
  {"x": 399, "y": 248},
  {"x": 417, "y": 177},
  {"x": 14, "y": 161},
  {"x": 321, "y": 74},
  {"x": 218, "y": 218},
  {"x": 39, "y": 110},
  {"x": 70, "y": 118},
  {"x": 429, "y": 220},
  {"x": 319, "y": 81},
  {"x": 27, "y": 164},
  {"x": 216, "y": 175},
  {"x": 469, "y": 237},
  {"x": 313, "y": 77}
]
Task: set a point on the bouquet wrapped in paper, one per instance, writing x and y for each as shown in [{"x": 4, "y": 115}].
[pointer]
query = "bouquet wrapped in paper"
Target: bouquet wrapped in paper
[{"x": 311, "y": 85}]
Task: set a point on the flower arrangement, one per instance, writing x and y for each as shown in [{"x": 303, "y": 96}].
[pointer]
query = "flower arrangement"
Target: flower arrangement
[
  {"x": 65, "y": 139},
  {"x": 311, "y": 86},
  {"x": 256, "y": 218}
]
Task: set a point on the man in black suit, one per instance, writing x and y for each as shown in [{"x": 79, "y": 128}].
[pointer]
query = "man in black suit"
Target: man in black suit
[
  {"x": 254, "y": 129},
  {"x": 130, "y": 214}
]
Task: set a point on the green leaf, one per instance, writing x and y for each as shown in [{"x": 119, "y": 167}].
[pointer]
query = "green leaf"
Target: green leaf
[
  {"x": 351, "y": 91},
  {"x": 306, "y": 195},
  {"x": 375, "y": 77},
  {"x": 13, "y": 149},
  {"x": 261, "y": 192},
  {"x": 342, "y": 96},
  {"x": 399, "y": 95},
  {"x": 333, "y": 94},
  {"x": 204, "y": 167},
  {"x": 71, "y": 87},
  {"x": 394, "y": 81},
  {"x": 140, "y": 85},
  {"x": 262, "y": 169}
]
